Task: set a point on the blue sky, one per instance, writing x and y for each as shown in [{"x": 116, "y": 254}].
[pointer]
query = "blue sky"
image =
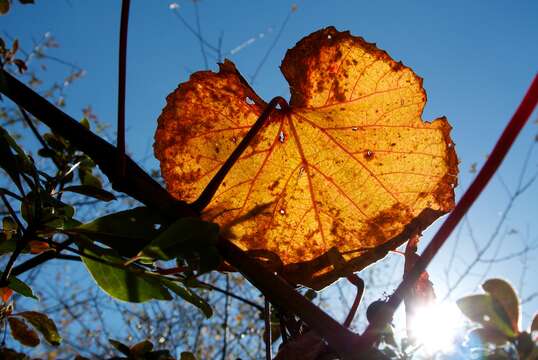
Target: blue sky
[{"x": 477, "y": 59}]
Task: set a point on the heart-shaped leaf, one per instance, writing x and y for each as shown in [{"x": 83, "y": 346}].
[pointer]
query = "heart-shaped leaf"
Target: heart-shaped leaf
[{"x": 349, "y": 165}]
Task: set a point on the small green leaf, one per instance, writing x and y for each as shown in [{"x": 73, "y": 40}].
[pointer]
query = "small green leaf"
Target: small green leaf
[
  {"x": 22, "y": 332},
  {"x": 91, "y": 191},
  {"x": 121, "y": 347},
  {"x": 126, "y": 231},
  {"x": 88, "y": 179},
  {"x": 185, "y": 355},
  {"x": 484, "y": 309},
  {"x": 86, "y": 123},
  {"x": 188, "y": 296},
  {"x": 20, "y": 287},
  {"x": 119, "y": 281},
  {"x": 187, "y": 238},
  {"x": 44, "y": 325},
  {"x": 505, "y": 295}
]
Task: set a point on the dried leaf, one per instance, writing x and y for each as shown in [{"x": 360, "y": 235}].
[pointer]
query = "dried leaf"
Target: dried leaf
[
  {"x": 5, "y": 294},
  {"x": 44, "y": 325},
  {"x": 22, "y": 332},
  {"x": 350, "y": 165}
]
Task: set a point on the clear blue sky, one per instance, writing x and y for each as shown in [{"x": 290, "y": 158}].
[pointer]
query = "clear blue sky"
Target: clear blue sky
[{"x": 477, "y": 59}]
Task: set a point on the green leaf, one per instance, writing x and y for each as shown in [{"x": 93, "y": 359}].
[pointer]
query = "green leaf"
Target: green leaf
[
  {"x": 22, "y": 332},
  {"x": 186, "y": 238},
  {"x": 126, "y": 231},
  {"x": 88, "y": 179},
  {"x": 185, "y": 355},
  {"x": 189, "y": 296},
  {"x": 505, "y": 295},
  {"x": 121, "y": 347},
  {"x": 121, "y": 282},
  {"x": 91, "y": 191},
  {"x": 86, "y": 123},
  {"x": 4, "y": 7},
  {"x": 44, "y": 325},
  {"x": 20, "y": 287},
  {"x": 484, "y": 309}
]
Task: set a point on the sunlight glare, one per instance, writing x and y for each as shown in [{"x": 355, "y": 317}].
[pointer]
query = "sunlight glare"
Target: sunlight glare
[{"x": 436, "y": 326}]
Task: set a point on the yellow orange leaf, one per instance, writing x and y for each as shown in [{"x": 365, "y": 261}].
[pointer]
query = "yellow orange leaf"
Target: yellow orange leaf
[{"x": 349, "y": 166}]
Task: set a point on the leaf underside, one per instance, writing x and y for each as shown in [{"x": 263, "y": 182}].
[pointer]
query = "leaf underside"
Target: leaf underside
[{"x": 351, "y": 165}]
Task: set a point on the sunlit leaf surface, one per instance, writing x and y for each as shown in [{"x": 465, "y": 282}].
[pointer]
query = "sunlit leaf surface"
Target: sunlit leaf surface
[{"x": 351, "y": 165}]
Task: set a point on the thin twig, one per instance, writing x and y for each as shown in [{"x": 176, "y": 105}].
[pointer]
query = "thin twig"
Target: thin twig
[
  {"x": 225, "y": 322},
  {"x": 231, "y": 294},
  {"x": 268, "y": 335},
  {"x": 273, "y": 44},
  {"x": 199, "y": 30},
  {"x": 122, "y": 74}
]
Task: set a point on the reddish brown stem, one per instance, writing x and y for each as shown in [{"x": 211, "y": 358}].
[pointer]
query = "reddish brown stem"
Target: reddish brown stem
[
  {"x": 359, "y": 284},
  {"x": 495, "y": 159},
  {"x": 211, "y": 188},
  {"x": 122, "y": 75}
]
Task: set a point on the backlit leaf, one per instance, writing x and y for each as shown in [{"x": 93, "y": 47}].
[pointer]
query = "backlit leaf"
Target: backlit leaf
[
  {"x": 350, "y": 165},
  {"x": 485, "y": 310},
  {"x": 22, "y": 332},
  {"x": 120, "y": 283},
  {"x": 125, "y": 231},
  {"x": 503, "y": 292},
  {"x": 20, "y": 287},
  {"x": 44, "y": 325}
]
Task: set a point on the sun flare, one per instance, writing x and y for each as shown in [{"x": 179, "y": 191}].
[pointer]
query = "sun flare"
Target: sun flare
[{"x": 435, "y": 327}]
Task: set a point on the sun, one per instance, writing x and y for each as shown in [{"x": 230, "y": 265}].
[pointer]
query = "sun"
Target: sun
[{"x": 434, "y": 327}]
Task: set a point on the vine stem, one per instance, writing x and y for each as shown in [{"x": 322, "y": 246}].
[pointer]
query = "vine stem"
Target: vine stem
[
  {"x": 145, "y": 189},
  {"x": 211, "y": 188},
  {"x": 504, "y": 143},
  {"x": 268, "y": 335},
  {"x": 122, "y": 75}
]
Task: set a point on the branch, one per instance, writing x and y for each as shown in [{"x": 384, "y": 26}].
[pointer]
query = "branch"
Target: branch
[
  {"x": 122, "y": 70},
  {"x": 142, "y": 187}
]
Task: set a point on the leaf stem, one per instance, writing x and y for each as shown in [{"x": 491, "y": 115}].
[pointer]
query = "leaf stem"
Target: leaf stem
[{"x": 205, "y": 197}]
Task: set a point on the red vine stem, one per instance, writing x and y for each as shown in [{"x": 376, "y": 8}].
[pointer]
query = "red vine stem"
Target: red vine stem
[
  {"x": 122, "y": 70},
  {"x": 493, "y": 162}
]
